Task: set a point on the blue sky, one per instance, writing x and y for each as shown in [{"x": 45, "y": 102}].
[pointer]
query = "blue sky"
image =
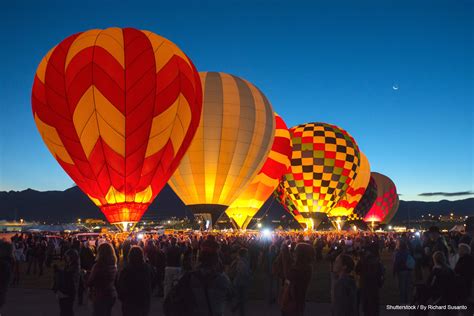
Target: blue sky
[{"x": 329, "y": 61}]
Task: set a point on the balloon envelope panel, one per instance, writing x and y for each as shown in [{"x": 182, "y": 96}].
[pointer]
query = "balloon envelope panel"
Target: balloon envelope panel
[
  {"x": 284, "y": 200},
  {"x": 117, "y": 108},
  {"x": 260, "y": 189},
  {"x": 366, "y": 202},
  {"x": 231, "y": 143},
  {"x": 325, "y": 161},
  {"x": 346, "y": 205},
  {"x": 386, "y": 200}
]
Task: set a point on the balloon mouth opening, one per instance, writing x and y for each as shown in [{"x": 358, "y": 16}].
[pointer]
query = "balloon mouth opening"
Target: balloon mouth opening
[
  {"x": 124, "y": 215},
  {"x": 338, "y": 222},
  {"x": 125, "y": 226}
]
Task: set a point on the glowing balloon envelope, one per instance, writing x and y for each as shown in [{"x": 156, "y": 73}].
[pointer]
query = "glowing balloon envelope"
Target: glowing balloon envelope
[
  {"x": 117, "y": 108},
  {"x": 354, "y": 193},
  {"x": 366, "y": 202},
  {"x": 280, "y": 195},
  {"x": 325, "y": 161},
  {"x": 260, "y": 189},
  {"x": 230, "y": 146},
  {"x": 386, "y": 202}
]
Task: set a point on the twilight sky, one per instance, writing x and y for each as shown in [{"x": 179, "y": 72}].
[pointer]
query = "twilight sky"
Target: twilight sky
[{"x": 329, "y": 61}]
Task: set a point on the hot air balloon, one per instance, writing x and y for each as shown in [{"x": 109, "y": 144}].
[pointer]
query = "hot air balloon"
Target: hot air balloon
[
  {"x": 392, "y": 211},
  {"x": 117, "y": 108},
  {"x": 282, "y": 198},
  {"x": 365, "y": 203},
  {"x": 325, "y": 161},
  {"x": 260, "y": 189},
  {"x": 230, "y": 146},
  {"x": 346, "y": 205},
  {"x": 386, "y": 202}
]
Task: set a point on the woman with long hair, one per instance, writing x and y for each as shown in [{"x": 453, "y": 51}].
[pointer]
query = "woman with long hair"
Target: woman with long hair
[
  {"x": 135, "y": 284},
  {"x": 102, "y": 281}
]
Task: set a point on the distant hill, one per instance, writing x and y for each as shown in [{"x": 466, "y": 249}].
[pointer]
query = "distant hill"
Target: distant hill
[
  {"x": 68, "y": 205},
  {"x": 414, "y": 209}
]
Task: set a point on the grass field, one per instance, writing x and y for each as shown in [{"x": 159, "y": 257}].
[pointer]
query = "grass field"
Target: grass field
[{"x": 319, "y": 289}]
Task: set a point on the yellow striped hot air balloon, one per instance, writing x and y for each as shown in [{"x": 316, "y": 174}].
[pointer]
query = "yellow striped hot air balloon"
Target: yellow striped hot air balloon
[
  {"x": 230, "y": 146},
  {"x": 260, "y": 189}
]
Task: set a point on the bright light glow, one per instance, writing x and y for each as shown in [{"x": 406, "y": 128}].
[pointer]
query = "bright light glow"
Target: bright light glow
[
  {"x": 140, "y": 236},
  {"x": 259, "y": 225},
  {"x": 390, "y": 227},
  {"x": 124, "y": 226},
  {"x": 417, "y": 234},
  {"x": 266, "y": 233},
  {"x": 169, "y": 222},
  {"x": 355, "y": 228}
]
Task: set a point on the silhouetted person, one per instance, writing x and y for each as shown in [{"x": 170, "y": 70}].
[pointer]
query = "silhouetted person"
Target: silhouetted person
[
  {"x": 173, "y": 265},
  {"x": 441, "y": 283},
  {"x": 298, "y": 276},
  {"x": 210, "y": 287},
  {"x": 464, "y": 270},
  {"x": 403, "y": 271},
  {"x": 371, "y": 273},
  {"x": 102, "y": 281},
  {"x": 66, "y": 282},
  {"x": 241, "y": 281},
  {"x": 135, "y": 284},
  {"x": 6, "y": 266},
  {"x": 87, "y": 259},
  {"x": 345, "y": 289}
]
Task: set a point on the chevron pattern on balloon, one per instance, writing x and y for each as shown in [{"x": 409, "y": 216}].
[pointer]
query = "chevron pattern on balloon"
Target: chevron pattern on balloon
[{"x": 117, "y": 108}]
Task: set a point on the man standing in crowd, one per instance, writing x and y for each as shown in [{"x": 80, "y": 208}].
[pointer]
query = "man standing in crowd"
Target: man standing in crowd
[{"x": 345, "y": 290}]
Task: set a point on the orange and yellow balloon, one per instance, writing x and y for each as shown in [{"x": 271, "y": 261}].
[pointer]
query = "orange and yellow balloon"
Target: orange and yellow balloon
[
  {"x": 230, "y": 146},
  {"x": 346, "y": 205},
  {"x": 117, "y": 108},
  {"x": 260, "y": 189}
]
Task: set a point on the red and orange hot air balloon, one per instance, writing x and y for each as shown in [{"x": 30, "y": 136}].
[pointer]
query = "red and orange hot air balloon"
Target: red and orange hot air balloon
[
  {"x": 386, "y": 203},
  {"x": 117, "y": 108}
]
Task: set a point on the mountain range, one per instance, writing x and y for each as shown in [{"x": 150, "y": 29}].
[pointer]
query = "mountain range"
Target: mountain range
[{"x": 71, "y": 204}]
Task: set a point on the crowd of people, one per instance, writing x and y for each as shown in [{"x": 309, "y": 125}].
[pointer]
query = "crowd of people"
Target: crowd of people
[{"x": 201, "y": 273}]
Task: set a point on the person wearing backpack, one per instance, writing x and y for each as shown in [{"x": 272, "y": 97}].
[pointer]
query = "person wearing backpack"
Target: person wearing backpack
[
  {"x": 202, "y": 292},
  {"x": 442, "y": 283},
  {"x": 403, "y": 265}
]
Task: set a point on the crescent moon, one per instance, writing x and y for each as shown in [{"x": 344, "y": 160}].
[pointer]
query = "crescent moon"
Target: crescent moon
[{"x": 395, "y": 87}]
